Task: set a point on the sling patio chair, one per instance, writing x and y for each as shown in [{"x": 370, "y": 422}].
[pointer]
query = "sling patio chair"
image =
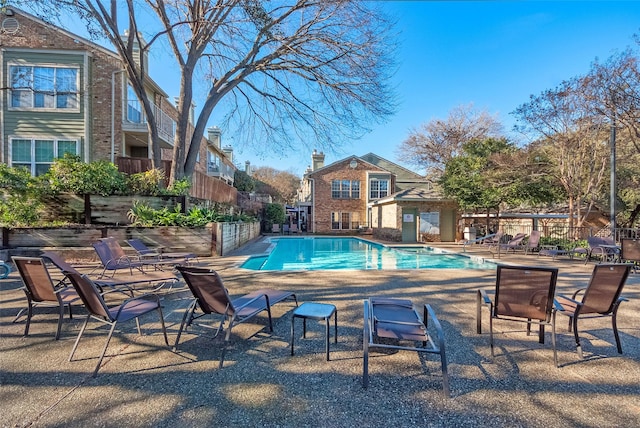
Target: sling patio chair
[
  {"x": 41, "y": 291},
  {"x": 157, "y": 254},
  {"x": 630, "y": 252},
  {"x": 395, "y": 324},
  {"x": 533, "y": 242},
  {"x": 113, "y": 258},
  {"x": 603, "y": 248},
  {"x": 105, "y": 285},
  {"x": 98, "y": 310},
  {"x": 211, "y": 297},
  {"x": 514, "y": 244},
  {"x": 522, "y": 294},
  {"x": 601, "y": 298}
]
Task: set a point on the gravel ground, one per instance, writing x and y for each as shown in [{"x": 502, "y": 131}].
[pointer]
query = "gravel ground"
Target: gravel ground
[{"x": 143, "y": 383}]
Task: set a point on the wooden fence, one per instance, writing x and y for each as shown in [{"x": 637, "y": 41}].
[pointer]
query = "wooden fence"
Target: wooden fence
[{"x": 202, "y": 185}]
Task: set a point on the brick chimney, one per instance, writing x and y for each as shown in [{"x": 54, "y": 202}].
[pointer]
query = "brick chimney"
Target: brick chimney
[{"x": 317, "y": 160}]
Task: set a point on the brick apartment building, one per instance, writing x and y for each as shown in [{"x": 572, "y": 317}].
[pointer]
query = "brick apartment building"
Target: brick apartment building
[
  {"x": 65, "y": 94},
  {"x": 370, "y": 193}
]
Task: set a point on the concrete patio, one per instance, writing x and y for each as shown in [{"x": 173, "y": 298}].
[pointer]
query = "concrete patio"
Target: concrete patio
[{"x": 144, "y": 383}]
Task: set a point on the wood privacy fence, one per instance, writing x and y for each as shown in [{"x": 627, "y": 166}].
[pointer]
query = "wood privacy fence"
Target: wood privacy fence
[{"x": 202, "y": 185}]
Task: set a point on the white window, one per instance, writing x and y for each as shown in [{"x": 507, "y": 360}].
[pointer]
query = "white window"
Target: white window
[
  {"x": 134, "y": 107},
  {"x": 37, "y": 154},
  {"x": 378, "y": 188},
  {"x": 44, "y": 87},
  {"x": 345, "y": 189}
]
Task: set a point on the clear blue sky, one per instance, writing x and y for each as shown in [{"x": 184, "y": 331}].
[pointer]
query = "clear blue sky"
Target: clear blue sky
[{"x": 494, "y": 54}]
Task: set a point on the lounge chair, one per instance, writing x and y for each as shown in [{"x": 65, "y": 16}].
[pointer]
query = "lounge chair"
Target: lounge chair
[
  {"x": 603, "y": 248},
  {"x": 294, "y": 228},
  {"x": 113, "y": 258},
  {"x": 156, "y": 254},
  {"x": 211, "y": 297},
  {"x": 42, "y": 292},
  {"x": 98, "y": 310},
  {"x": 533, "y": 243},
  {"x": 514, "y": 244},
  {"x": 493, "y": 240},
  {"x": 121, "y": 284},
  {"x": 601, "y": 298},
  {"x": 523, "y": 294},
  {"x": 395, "y": 324},
  {"x": 275, "y": 228}
]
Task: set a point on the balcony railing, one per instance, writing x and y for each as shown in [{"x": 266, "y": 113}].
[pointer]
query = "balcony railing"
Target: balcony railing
[
  {"x": 223, "y": 171},
  {"x": 165, "y": 124}
]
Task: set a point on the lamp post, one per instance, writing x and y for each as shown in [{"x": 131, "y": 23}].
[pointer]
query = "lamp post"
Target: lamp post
[{"x": 612, "y": 209}]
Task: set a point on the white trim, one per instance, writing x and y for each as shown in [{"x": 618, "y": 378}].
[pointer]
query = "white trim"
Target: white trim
[
  {"x": 85, "y": 99},
  {"x": 32, "y": 138},
  {"x": 18, "y": 63}
]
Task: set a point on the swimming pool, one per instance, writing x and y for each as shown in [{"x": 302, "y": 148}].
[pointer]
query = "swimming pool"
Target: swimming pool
[{"x": 321, "y": 253}]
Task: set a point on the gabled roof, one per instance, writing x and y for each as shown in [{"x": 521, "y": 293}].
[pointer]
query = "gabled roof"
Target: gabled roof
[
  {"x": 401, "y": 172},
  {"x": 413, "y": 194},
  {"x": 347, "y": 159}
]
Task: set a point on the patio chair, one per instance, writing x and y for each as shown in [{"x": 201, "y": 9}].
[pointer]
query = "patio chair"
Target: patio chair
[
  {"x": 98, "y": 310},
  {"x": 395, "y": 324},
  {"x": 601, "y": 298},
  {"x": 275, "y": 228},
  {"x": 514, "y": 244},
  {"x": 630, "y": 252},
  {"x": 41, "y": 291},
  {"x": 493, "y": 240},
  {"x": 113, "y": 258},
  {"x": 104, "y": 285},
  {"x": 211, "y": 297},
  {"x": 522, "y": 294},
  {"x": 156, "y": 254},
  {"x": 603, "y": 248},
  {"x": 533, "y": 243}
]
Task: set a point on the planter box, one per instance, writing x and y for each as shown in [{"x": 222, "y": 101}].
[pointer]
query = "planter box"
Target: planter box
[{"x": 213, "y": 239}]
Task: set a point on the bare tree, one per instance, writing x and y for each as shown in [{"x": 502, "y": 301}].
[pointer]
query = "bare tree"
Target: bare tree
[
  {"x": 437, "y": 141},
  {"x": 574, "y": 140},
  {"x": 282, "y": 185},
  {"x": 308, "y": 71}
]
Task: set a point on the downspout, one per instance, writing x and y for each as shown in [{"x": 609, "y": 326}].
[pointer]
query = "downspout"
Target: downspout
[
  {"x": 113, "y": 113},
  {"x": 313, "y": 203}
]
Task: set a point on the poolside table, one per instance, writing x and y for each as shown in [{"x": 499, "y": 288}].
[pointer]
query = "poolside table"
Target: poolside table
[{"x": 316, "y": 311}]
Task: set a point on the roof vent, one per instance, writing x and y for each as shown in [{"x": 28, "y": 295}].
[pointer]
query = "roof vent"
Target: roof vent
[{"x": 10, "y": 25}]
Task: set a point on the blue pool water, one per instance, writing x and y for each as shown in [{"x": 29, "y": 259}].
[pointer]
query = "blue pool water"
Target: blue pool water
[{"x": 315, "y": 253}]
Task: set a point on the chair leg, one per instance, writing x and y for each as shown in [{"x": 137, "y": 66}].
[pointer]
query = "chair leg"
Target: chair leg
[
  {"x": 28, "y": 320},
  {"x": 104, "y": 350},
  {"x": 365, "y": 348},
  {"x": 60, "y": 319},
  {"x": 187, "y": 313},
  {"x": 614, "y": 324},
  {"x": 479, "y": 312},
  {"x": 541, "y": 334},
  {"x": 553, "y": 338},
  {"x": 164, "y": 330},
  {"x": 491, "y": 335},
  {"x": 75, "y": 345},
  {"x": 575, "y": 335},
  {"x": 226, "y": 342}
]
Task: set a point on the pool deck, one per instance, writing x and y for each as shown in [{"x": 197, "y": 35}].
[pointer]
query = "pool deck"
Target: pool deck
[{"x": 143, "y": 383}]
